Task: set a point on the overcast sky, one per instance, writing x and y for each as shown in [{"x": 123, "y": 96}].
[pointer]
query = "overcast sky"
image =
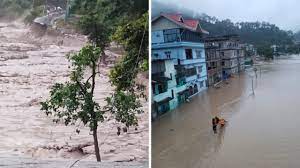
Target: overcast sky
[{"x": 284, "y": 13}]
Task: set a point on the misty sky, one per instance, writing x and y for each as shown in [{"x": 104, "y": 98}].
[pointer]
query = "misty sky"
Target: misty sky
[{"x": 284, "y": 13}]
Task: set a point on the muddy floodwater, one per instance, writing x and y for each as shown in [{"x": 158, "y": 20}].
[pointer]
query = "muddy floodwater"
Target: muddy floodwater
[
  {"x": 29, "y": 66},
  {"x": 262, "y": 130}
]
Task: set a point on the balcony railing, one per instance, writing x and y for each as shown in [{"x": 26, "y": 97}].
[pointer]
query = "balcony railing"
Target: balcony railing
[
  {"x": 192, "y": 61},
  {"x": 161, "y": 78},
  {"x": 180, "y": 35}
]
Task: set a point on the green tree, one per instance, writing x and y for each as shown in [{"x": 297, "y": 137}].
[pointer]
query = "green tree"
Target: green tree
[
  {"x": 98, "y": 32},
  {"x": 125, "y": 100},
  {"x": 265, "y": 51},
  {"x": 100, "y": 18},
  {"x": 134, "y": 37},
  {"x": 74, "y": 100},
  {"x": 92, "y": 23}
]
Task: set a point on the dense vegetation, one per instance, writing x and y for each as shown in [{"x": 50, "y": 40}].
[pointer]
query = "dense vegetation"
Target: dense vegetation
[
  {"x": 73, "y": 101},
  {"x": 27, "y": 9},
  {"x": 260, "y": 34},
  {"x": 104, "y": 21},
  {"x": 125, "y": 22},
  {"x": 14, "y": 8},
  {"x": 297, "y": 36}
]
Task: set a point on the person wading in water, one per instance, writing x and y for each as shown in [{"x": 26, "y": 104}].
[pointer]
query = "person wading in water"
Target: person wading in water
[
  {"x": 214, "y": 125},
  {"x": 217, "y": 119},
  {"x": 215, "y": 122}
]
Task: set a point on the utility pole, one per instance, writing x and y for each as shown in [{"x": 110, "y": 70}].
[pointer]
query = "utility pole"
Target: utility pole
[
  {"x": 255, "y": 70},
  {"x": 252, "y": 87},
  {"x": 260, "y": 70}
]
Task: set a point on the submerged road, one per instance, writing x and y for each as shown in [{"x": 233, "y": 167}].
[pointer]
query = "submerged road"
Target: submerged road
[{"x": 262, "y": 130}]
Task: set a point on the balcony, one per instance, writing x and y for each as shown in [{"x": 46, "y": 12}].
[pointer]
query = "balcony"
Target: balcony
[
  {"x": 176, "y": 35},
  {"x": 191, "y": 78},
  {"x": 191, "y": 61},
  {"x": 166, "y": 96},
  {"x": 161, "y": 56},
  {"x": 180, "y": 81},
  {"x": 212, "y": 71},
  {"x": 161, "y": 78},
  {"x": 158, "y": 68}
]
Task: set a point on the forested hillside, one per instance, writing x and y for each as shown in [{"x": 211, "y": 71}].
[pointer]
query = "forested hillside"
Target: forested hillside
[
  {"x": 14, "y": 8},
  {"x": 297, "y": 36},
  {"x": 257, "y": 33}
]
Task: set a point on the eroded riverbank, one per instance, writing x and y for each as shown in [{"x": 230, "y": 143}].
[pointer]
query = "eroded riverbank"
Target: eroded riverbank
[{"x": 29, "y": 66}]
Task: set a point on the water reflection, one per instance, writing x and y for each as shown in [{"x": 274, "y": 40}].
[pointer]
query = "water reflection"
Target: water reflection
[
  {"x": 192, "y": 134},
  {"x": 220, "y": 138},
  {"x": 262, "y": 128}
]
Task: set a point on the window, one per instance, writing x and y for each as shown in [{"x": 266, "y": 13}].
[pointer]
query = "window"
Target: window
[
  {"x": 153, "y": 89},
  {"x": 189, "y": 53},
  {"x": 200, "y": 69},
  {"x": 201, "y": 84},
  {"x": 187, "y": 35},
  {"x": 195, "y": 89},
  {"x": 156, "y": 55},
  {"x": 222, "y": 54},
  {"x": 158, "y": 67},
  {"x": 168, "y": 54},
  {"x": 171, "y": 35},
  {"x": 162, "y": 88},
  {"x": 198, "y": 54},
  {"x": 163, "y": 108},
  {"x": 191, "y": 72}
]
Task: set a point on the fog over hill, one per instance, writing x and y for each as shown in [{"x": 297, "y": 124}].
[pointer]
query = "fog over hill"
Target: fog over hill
[
  {"x": 282, "y": 13},
  {"x": 257, "y": 33}
]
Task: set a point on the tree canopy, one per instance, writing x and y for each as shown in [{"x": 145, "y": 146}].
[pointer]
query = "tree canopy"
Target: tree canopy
[
  {"x": 14, "y": 8},
  {"x": 104, "y": 21}
]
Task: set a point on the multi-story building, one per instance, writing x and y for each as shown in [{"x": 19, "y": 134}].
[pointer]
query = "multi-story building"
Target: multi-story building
[
  {"x": 213, "y": 63},
  {"x": 231, "y": 53},
  {"x": 178, "y": 61}
]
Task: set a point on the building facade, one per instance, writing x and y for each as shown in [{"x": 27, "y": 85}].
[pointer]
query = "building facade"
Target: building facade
[
  {"x": 213, "y": 63},
  {"x": 231, "y": 54},
  {"x": 178, "y": 61}
]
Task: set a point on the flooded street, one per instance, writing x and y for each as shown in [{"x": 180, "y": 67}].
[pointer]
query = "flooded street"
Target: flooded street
[
  {"x": 29, "y": 66},
  {"x": 262, "y": 129}
]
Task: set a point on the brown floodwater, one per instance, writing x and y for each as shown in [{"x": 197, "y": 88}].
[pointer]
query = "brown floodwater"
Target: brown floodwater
[
  {"x": 29, "y": 66},
  {"x": 262, "y": 129}
]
